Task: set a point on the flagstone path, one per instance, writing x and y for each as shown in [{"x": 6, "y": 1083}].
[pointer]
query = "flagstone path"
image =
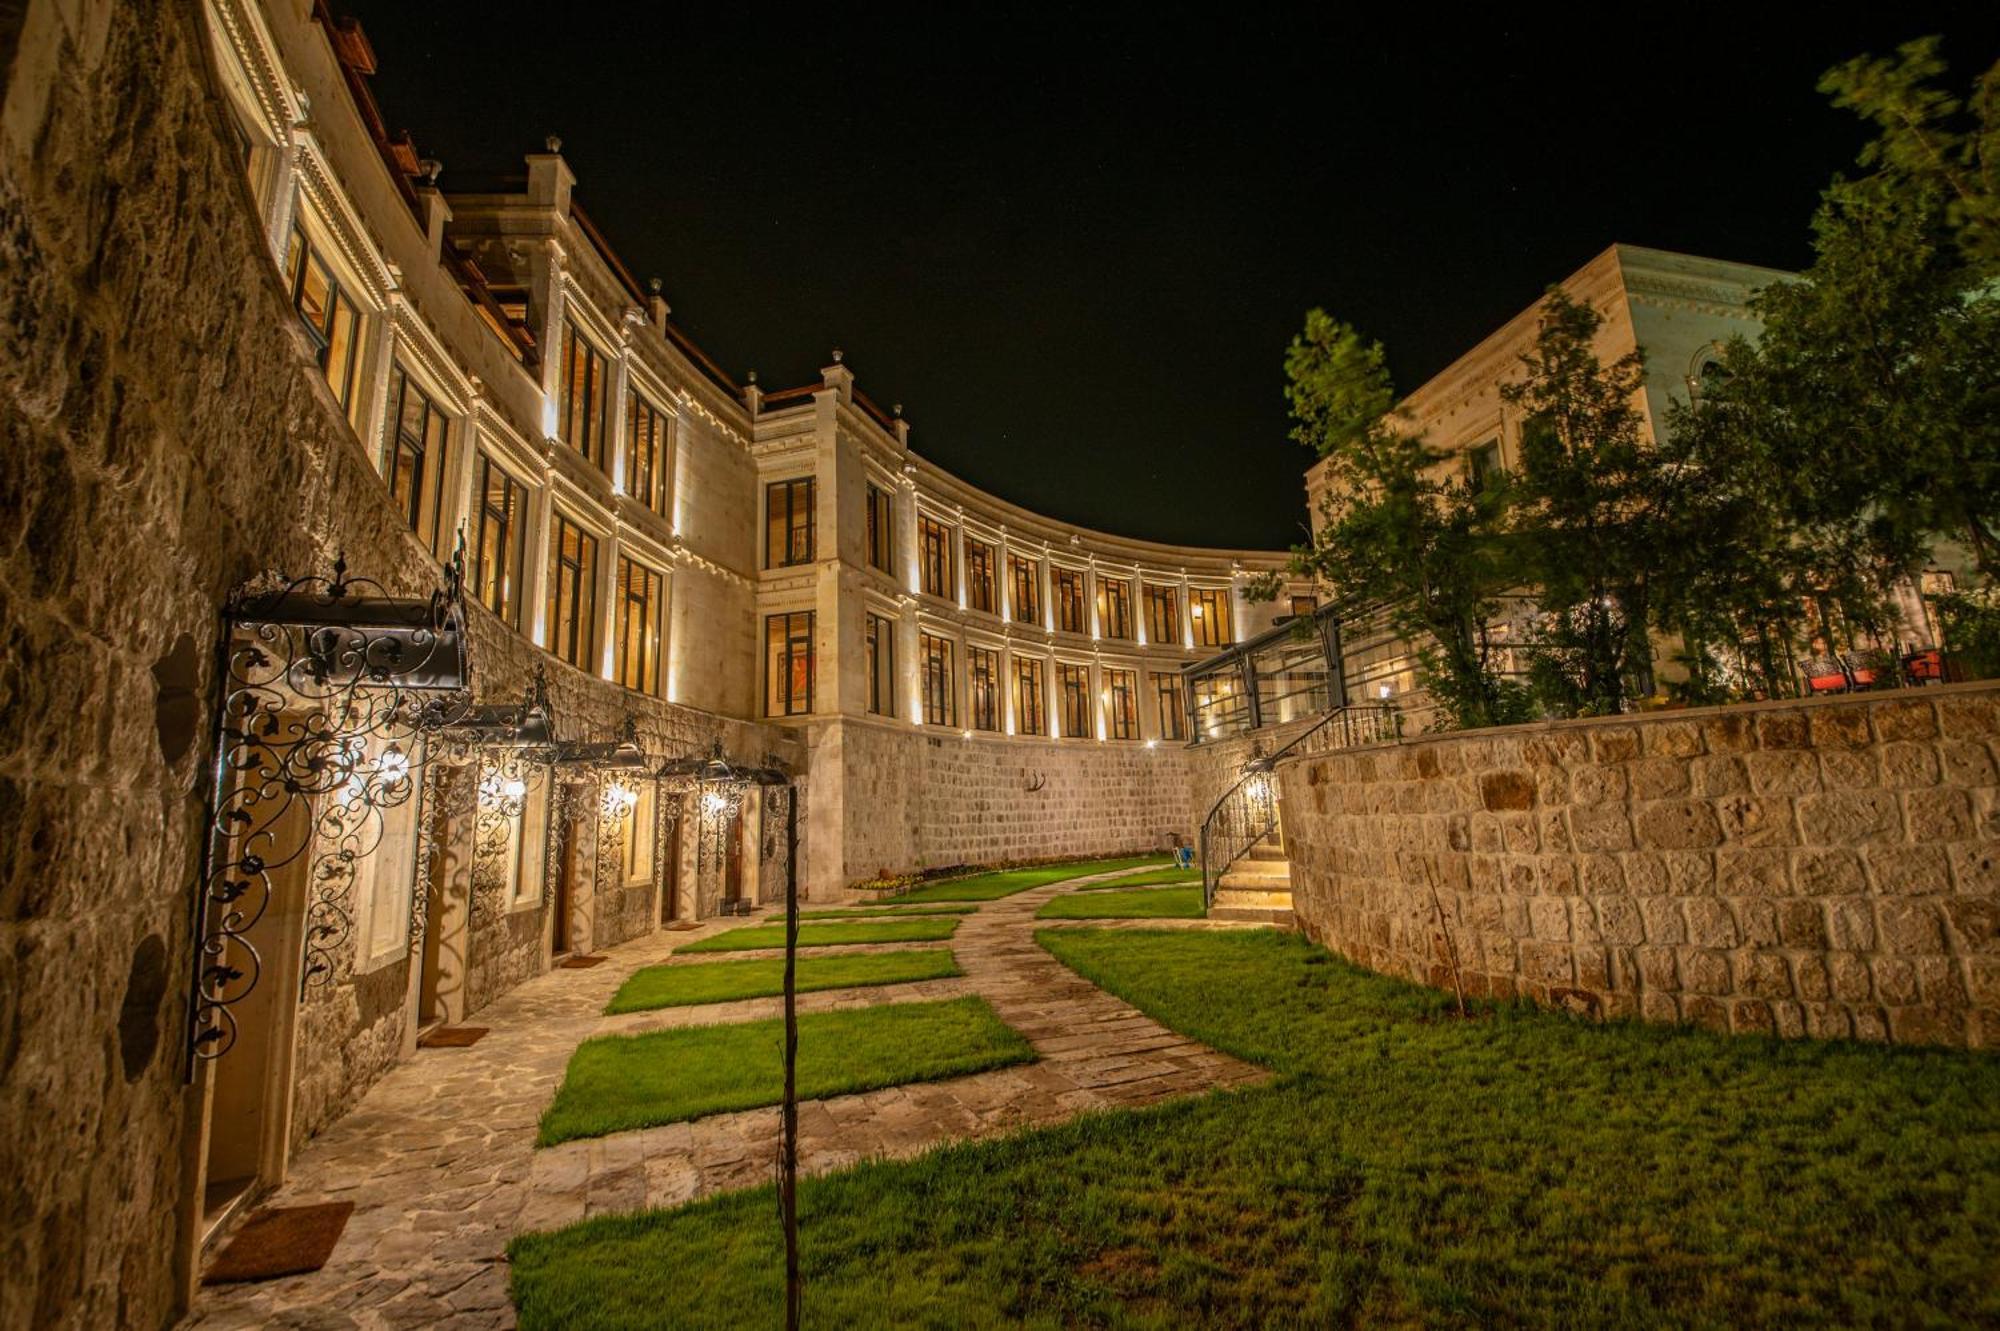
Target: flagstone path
[{"x": 439, "y": 1157}]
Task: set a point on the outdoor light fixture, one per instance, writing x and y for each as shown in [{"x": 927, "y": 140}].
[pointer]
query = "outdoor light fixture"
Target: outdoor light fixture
[{"x": 329, "y": 695}]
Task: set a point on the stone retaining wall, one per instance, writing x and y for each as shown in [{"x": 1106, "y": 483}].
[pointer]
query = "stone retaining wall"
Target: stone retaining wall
[
  {"x": 916, "y": 800},
  {"x": 1827, "y": 868}
]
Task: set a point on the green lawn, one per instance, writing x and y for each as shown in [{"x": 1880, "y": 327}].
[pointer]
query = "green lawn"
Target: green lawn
[
  {"x": 1145, "y": 903},
  {"x": 760, "y": 977},
  {"x": 1160, "y": 878},
  {"x": 886, "y": 911},
  {"x": 616, "y": 1082},
  {"x": 1409, "y": 1169},
  {"x": 1006, "y": 882},
  {"x": 922, "y": 930}
]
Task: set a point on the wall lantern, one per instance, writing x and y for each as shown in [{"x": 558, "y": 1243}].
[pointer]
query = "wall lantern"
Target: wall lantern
[{"x": 329, "y": 692}]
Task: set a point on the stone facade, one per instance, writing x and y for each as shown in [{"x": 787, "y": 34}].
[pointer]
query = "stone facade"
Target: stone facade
[{"x": 1826, "y": 868}]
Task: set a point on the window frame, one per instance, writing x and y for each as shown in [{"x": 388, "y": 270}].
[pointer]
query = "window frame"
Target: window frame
[
  {"x": 428, "y": 491},
  {"x": 1170, "y": 705},
  {"x": 1029, "y": 683},
  {"x": 794, "y": 627},
  {"x": 936, "y": 679},
  {"x": 1215, "y": 599},
  {"x": 878, "y": 636},
  {"x": 1024, "y": 590},
  {"x": 880, "y": 529},
  {"x": 593, "y": 414},
  {"x": 649, "y": 621},
  {"x": 577, "y": 577},
  {"x": 647, "y": 466},
  {"x": 936, "y": 565},
  {"x": 1072, "y": 603},
  {"x": 983, "y": 695},
  {"x": 800, "y": 517},
  {"x": 1121, "y": 702},
  {"x": 508, "y": 583},
  {"x": 1114, "y": 613},
  {"x": 1073, "y": 700},
  {"x": 1163, "y": 604},
  {"x": 982, "y": 589},
  {"x": 302, "y": 257}
]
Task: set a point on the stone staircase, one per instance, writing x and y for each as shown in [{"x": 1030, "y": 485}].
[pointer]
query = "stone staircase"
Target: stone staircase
[{"x": 1257, "y": 887}]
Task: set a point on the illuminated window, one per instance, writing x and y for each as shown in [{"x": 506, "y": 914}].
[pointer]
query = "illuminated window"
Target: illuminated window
[
  {"x": 642, "y": 594},
  {"x": 881, "y": 635},
  {"x": 647, "y": 452},
  {"x": 1073, "y": 681},
  {"x": 940, "y": 707},
  {"x": 498, "y": 543},
  {"x": 881, "y": 527},
  {"x": 788, "y": 664},
  {"x": 1029, "y": 716},
  {"x": 1163, "y": 615},
  {"x": 982, "y": 687},
  {"x": 1024, "y": 587},
  {"x": 1114, "y": 607},
  {"x": 572, "y": 608},
  {"x": 1169, "y": 709},
  {"x": 1209, "y": 608},
  {"x": 1482, "y": 466},
  {"x": 788, "y": 523},
  {"x": 1068, "y": 583},
  {"x": 1305, "y": 605},
  {"x": 1121, "y": 703},
  {"x": 329, "y": 316},
  {"x": 416, "y": 456},
  {"x": 934, "y": 554},
  {"x": 586, "y": 396},
  {"x": 979, "y": 592}
]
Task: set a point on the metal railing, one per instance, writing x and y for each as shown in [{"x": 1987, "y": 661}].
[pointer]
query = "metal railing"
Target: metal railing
[{"x": 1248, "y": 810}]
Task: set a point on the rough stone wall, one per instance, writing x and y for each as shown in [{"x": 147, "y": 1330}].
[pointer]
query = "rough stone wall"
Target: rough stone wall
[
  {"x": 163, "y": 437},
  {"x": 915, "y": 800},
  {"x": 1826, "y": 868}
]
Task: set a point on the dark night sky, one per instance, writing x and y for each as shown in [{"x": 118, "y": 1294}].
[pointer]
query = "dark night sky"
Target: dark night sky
[{"x": 1074, "y": 247}]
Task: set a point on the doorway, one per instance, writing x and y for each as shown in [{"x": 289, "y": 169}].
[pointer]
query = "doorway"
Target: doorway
[
  {"x": 670, "y": 876},
  {"x": 246, "y": 1094},
  {"x": 562, "y": 910},
  {"x": 732, "y": 868}
]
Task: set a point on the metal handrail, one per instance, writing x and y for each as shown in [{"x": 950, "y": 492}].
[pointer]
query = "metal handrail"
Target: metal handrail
[{"x": 1248, "y": 811}]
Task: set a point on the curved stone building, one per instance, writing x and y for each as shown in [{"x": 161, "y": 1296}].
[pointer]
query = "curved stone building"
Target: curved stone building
[{"x": 248, "y": 336}]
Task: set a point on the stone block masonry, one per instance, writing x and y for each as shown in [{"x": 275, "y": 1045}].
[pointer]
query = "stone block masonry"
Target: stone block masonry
[{"x": 1827, "y": 868}]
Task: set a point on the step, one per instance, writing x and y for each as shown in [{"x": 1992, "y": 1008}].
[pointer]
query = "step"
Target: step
[
  {"x": 1265, "y": 850},
  {"x": 1253, "y": 898},
  {"x": 1276, "y": 917},
  {"x": 1266, "y": 876}
]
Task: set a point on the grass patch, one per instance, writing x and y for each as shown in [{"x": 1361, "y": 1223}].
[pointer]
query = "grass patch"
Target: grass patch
[
  {"x": 761, "y": 977},
  {"x": 616, "y": 1082},
  {"x": 1410, "y": 1169},
  {"x": 1006, "y": 882},
  {"x": 923, "y": 930},
  {"x": 883, "y": 911},
  {"x": 1162, "y": 878},
  {"x": 1146, "y": 903}
]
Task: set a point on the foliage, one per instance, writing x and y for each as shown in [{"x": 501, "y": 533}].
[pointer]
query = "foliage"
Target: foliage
[
  {"x": 1144, "y": 903},
  {"x": 1520, "y": 1169},
  {"x": 1972, "y": 627},
  {"x": 832, "y": 933},
  {"x": 1396, "y": 526},
  {"x": 618, "y": 1082},
  {"x": 1589, "y": 509},
  {"x": 763, "y": 977}
]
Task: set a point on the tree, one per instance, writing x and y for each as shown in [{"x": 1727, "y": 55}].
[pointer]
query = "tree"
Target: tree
[
  {"x": 1395, "y": 529},
  {"x": 1878, "y": 372},
  {"x": 1591, "y": 504}
]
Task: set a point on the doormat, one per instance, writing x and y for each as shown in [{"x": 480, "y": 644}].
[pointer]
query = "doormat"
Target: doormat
[
  {"x": 682, "y": 926},
  {"x": 281, "y": 1241},
  {"x": 581, "y": 963},
  {"x": 451, "y": 1037}
]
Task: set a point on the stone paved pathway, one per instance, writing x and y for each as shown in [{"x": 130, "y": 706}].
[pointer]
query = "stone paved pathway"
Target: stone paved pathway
[{"x": 439, "y": 1157}]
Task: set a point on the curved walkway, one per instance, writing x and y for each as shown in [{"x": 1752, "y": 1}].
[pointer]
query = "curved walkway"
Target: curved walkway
[{"x": 439, "y": 1157}]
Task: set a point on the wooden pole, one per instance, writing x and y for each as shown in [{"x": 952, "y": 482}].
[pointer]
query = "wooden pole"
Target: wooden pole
[{"x": 788, "y": 1182}]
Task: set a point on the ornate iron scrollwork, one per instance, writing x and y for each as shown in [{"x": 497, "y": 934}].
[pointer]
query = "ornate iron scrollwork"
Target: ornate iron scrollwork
[{"x": 328, "y": 691}]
